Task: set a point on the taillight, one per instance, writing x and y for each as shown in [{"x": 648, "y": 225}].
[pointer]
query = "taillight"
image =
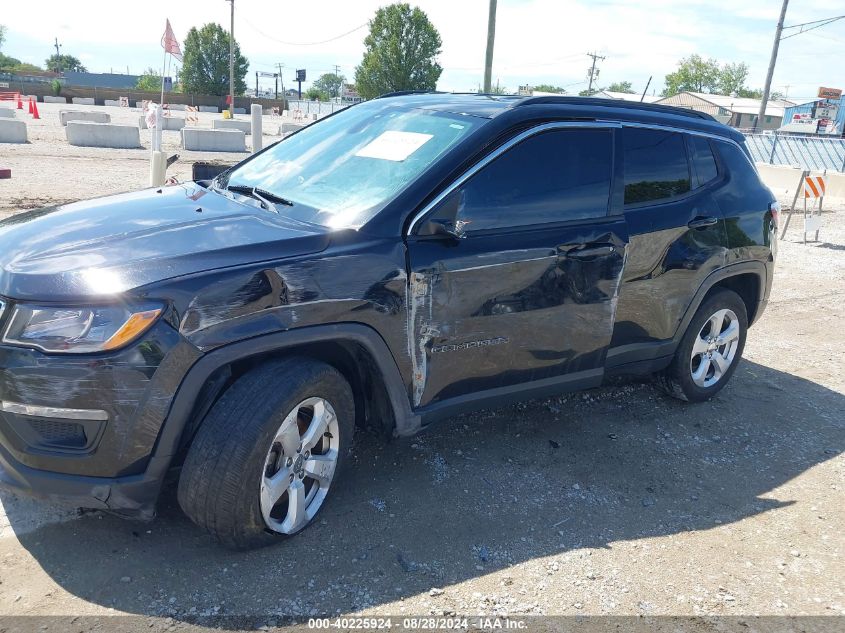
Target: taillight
[{"x": 774, "y": 209}]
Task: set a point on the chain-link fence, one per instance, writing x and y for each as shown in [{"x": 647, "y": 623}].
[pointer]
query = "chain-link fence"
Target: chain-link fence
[
  {"x": 814, "y": 153},
  {"x": 320, "y": 108}
]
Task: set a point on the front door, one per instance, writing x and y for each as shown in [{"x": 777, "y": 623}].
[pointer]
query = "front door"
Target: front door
[{"x": 524, "y": 291}]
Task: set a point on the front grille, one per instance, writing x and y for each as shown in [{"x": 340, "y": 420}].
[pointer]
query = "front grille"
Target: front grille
[{"x": 59, "y": 434}]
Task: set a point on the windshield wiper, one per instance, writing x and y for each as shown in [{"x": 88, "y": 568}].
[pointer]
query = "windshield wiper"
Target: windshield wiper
[{"x": 266, "y": 198}]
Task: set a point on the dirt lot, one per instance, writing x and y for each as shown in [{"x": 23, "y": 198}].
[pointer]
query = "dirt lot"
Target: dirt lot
[{"x": 617, "y": 501}]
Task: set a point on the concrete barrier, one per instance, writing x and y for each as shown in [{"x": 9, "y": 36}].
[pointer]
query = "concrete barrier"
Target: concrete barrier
[
  {"x": 7, "y": 113},
  {"x": 12, "y": 131},
  {"x": 205, "y": 140},
  {"x": 83, "y": 100},
  {"x": 232, "y": 124},
  {"x": 240, "y": 110},
  {"x": 90, "y": 134},
  {"x": 83, "y": 115},
  {"x": 836, "y": 185},
  {"x": 214, "y": 109},
  {"x": 783, "y": 181},
  {"x": 52, "y": 99},
  {"x": 169, "y": 123},
  {"x": 176, "y": 106},
  {"x": 112, "y": 102},
  {"x": 287, "y": 128}
]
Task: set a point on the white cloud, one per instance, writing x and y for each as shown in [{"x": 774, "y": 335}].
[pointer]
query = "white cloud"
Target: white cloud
[{"x": 536, "y": 40}]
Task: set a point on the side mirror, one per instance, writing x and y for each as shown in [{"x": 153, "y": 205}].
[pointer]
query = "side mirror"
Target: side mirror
[{"x": 443, "y": 222}]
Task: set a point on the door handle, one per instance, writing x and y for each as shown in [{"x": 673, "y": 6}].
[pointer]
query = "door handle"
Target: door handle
[
  {"x": 702, "y": 221},
  {"x": 589, "y": 252}
]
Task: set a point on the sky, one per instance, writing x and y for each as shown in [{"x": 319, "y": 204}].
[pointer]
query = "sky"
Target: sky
[{"x": 537, "y": 41}]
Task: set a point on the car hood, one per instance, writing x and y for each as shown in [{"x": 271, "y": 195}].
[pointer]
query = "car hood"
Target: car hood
[{"x": 113, "y": 244}]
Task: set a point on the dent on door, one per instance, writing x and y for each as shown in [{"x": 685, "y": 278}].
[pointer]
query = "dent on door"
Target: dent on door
[{"x": 483, "y": 318}]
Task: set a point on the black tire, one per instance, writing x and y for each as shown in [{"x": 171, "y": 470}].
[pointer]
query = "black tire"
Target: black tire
[
  {"x": 677, "y": 379},
  {"x": 219, "y": 483}
]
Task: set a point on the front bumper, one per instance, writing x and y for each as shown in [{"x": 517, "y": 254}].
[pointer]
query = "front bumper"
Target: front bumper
[
  {"x": 83, "y": 430},
  {"x": 133, "y": 496}
]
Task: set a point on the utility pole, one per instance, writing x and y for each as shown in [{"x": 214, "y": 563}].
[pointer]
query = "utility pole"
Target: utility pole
[
  {"x": 767, "y": 88},
  {"x": 491, "y": 37},
  {"x": 593, "y": 73},
  {"x": 58, "y": 56},
  {"x": 232, "y": 62},
  {"x": 282, "y": 79},
  {"x": 340, "y": 81}
]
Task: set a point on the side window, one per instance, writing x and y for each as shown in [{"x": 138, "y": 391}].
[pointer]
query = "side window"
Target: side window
[
  {"x": 551, "y": 177},
  {"x": 702, "y": 158},
  {"x": 655, "y": 163}
]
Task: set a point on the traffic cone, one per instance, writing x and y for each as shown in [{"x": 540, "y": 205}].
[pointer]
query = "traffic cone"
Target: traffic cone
[
  {"x": 35, "y": 114},
  {"x": 20, "y": 103},
  {"x": 30, "y": 105}
]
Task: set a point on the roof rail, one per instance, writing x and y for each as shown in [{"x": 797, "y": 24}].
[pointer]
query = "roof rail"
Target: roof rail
[
  {"x": 402, "y": 93},
  {"x": 616, "y": 103}
]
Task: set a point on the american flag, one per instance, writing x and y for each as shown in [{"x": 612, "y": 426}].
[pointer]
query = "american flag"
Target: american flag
[{"x": 170, "y": 43}]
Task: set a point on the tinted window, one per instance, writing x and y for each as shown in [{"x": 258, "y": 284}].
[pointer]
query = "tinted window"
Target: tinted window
[
  {"x": 552, "y": 177},
  {"x": 702, "y": 158},
  {"x": 656, "y": 166}
]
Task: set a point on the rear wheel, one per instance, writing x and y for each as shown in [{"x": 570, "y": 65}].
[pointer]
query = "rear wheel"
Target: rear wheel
[
  {"x": 264, "y": 460},
  {"x": 710, "y": 349}
]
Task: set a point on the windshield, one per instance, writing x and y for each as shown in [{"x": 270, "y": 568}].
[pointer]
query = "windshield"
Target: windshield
[{"x": 340, "y": 172}]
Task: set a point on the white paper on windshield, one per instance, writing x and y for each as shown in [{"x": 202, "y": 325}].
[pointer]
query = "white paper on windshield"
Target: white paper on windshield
[{"x": 393, "y": 145}]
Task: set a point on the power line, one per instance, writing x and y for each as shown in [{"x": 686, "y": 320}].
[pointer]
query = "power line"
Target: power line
[
  {"x": 278, "y": 41},
  {"x": 815, "y": 24}
]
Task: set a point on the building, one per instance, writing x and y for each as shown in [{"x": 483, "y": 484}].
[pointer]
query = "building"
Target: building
[
  {"x": 100, "y": 80},
  {"x": 626, "y": 96},
  {"x": 738, "y": 112},
  {"x": 824, "y": 115}
]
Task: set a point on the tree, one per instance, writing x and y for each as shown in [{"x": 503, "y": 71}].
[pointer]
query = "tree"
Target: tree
[
  {"x": 550, "y": 88},
  {"x": 64, "y": 63},
  {"x": 205, "y": 67},
  {"x": 694, "y": 74},
  {"x": 2, "y": 35},
  {"x": 150, "y": 81},
  {"x": 315, "y": 94},
  {"x": 732, "y": 78},
  {"x": 401, "y": 52},
  {"x": 330, "y": 84},
  {"x": 621, "y": 86}
]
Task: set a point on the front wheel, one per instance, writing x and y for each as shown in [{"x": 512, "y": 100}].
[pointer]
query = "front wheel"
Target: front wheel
[
  {"x": 263, "y": 461},
  {"x": 710, "y": 349}
]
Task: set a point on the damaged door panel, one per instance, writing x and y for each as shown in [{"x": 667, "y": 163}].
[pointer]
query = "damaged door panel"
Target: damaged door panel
[{"x": 521, "y": 285}]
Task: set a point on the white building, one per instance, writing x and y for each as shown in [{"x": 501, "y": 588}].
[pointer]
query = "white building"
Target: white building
[{"x": 738, "y": 112}]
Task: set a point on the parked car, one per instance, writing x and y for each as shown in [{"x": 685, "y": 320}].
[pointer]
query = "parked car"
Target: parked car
[{"x": 397, "y": 263}]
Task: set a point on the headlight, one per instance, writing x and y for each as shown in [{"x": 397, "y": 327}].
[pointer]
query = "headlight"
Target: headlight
[{"x": 78, "y": 330}]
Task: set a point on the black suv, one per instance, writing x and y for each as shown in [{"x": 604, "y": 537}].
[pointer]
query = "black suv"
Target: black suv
[{"x": 403, "y": 260}]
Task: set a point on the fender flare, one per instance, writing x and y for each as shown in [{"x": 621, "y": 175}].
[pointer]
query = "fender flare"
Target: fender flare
[
  {"x": 183, "y": 402},
  {"x": 732, "y": 270}
]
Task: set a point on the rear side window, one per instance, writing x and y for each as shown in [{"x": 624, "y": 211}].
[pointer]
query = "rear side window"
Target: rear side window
[
  {"x": 703, "y": 160},
  {"x": 656, "y": 166},
  {"x": 552, "y": 177}
]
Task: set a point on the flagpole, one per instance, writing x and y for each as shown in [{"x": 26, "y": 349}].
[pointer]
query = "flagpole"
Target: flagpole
[{"x": 163, "y": 63}]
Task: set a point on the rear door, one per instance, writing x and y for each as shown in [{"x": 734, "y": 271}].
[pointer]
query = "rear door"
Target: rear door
[
  {"x": 677, "y": 235},
  {"x": 526, "y": 296}
]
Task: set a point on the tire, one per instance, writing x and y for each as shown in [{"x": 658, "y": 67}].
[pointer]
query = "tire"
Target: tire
[
  {"x": 694, "y": 376},
  {"x": 245, "y": 453}
]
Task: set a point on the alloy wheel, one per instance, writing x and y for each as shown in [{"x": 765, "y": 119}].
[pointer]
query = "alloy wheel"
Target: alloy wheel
[
  {"x": 299, "y": 466},
  {"x": 715, "y": 348}
]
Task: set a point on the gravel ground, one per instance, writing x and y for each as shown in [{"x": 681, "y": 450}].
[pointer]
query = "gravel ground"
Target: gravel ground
[{"x": 617, "y": 501}]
